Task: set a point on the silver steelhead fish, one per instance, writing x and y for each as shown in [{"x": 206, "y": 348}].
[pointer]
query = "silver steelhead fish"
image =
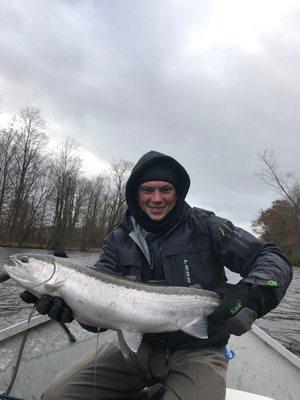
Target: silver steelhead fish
[{"x": 109, "y": 301}]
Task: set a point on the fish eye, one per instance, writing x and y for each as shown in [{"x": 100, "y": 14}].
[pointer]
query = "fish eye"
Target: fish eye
[{"x": 24, "y": 259}]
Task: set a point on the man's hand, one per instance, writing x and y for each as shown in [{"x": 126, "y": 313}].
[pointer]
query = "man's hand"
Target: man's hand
[
  {"x": 55, "y": 307},
  {"x": 236, "y": 313}
]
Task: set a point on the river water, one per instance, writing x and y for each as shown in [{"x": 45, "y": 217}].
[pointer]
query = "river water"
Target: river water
[{"x": 283, "y": 323}]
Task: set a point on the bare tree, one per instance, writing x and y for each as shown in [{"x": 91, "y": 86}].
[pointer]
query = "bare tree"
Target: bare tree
[
  {"x": 284, "y": 183},
  {"x": 8, "y": 143},
  {"x": 94, "y": 215},
  {"x": 35, "y": 207},
  {"x": 27, "y": 168},
  {"x": 280, "y": 223},
  {"x": 65, "y": 173},
  {"x": 106, "y": 203},
  {"x": 120, "y": 172}
]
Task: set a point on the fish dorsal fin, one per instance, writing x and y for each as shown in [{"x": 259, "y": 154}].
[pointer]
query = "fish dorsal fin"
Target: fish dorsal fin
[
  {"x": 132, "y": 339},
  {"x": 197, "y": 328}
]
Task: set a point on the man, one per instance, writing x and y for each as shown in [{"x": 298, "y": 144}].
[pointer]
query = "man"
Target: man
[{"x": 163, "y": 240}]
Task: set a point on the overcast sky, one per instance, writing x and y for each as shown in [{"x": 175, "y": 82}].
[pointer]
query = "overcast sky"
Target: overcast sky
[{"x": 212, "y": 83}]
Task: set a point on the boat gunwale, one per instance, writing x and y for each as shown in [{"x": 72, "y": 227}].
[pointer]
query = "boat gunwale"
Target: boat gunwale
[
  {"x": 13, "y": 330},
  {"x": 292, "y": 358}
]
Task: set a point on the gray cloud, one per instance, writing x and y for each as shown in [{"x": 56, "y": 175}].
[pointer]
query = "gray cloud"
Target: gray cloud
[{"x": 118, "y": 77}]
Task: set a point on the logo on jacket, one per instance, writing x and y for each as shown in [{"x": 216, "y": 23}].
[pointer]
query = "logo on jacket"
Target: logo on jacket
[{"x": 187, "y": 271}]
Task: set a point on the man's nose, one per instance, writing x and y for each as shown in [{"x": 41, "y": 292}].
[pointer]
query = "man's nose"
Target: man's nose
[{"x": 156, "y": 196}]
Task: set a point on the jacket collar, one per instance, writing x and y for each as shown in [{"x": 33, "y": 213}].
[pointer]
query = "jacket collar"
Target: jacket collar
[{"x": 127, "y": 226}]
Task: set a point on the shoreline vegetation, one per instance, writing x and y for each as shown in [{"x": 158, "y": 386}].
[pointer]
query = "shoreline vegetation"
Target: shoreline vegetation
[
  {"x": 280, "y": 223},
  {"x": 43, "y": 247},
  {"x": 46, "y": 201}
]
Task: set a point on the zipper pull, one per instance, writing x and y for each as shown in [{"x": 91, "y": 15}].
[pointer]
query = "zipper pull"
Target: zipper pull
[{"x": 167, "y": 356}]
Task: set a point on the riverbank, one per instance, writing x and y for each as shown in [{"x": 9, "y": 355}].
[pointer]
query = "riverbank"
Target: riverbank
[{"x": 45, "y": 247}]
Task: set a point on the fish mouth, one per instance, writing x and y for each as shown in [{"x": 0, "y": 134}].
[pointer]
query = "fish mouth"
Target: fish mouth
[{"x": 18, "y": 271}]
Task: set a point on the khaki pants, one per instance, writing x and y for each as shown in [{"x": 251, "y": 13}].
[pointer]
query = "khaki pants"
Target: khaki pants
[{"x": 187, "y": 374}]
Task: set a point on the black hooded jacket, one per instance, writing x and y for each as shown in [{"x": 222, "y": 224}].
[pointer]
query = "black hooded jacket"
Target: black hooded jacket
[{"x": 193, "y": 252}]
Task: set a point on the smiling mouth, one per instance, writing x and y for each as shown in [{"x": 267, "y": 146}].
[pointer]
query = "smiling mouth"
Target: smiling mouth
[{"x": 156, "y": 209}]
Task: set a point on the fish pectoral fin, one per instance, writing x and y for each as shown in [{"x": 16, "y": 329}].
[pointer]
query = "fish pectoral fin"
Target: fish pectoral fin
[
  {"x": 132, "y": 339},
  {"x": 54, "y": 285},
  {"x": 197, "y": 328}
]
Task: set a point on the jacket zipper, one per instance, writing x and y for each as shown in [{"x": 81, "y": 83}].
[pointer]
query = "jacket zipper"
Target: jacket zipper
[
  {"x": 161, "y": 250},
  {"x": 162, "y": 261},
  {"x": 163, "y": 264}
]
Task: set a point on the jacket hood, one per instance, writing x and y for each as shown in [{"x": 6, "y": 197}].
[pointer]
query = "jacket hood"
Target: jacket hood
[{"x": 150, "y": 159}]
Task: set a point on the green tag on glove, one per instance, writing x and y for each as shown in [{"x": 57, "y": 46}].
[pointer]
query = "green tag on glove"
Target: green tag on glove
[
  {"x": 272, "y": 282},
  {"x": 236, "y": 308}
]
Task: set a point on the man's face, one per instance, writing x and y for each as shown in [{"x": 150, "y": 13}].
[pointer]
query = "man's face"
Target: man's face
[{"x": 156, "y": 198}]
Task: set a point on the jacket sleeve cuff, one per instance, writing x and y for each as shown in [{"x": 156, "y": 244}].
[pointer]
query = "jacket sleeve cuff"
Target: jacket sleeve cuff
[
  {"x": 92, "y": 329},
  {"x": 266, "y": 297}
]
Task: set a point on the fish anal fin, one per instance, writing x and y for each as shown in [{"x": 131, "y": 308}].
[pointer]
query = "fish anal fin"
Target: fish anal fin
[
  {"x": 197, "y": 328},
  {"x": 132, "y": 339}
]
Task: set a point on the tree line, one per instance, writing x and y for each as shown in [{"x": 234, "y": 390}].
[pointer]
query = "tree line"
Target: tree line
[
  {"x": 280, "y": 223},
  {"x": 45, "y": 201}
]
